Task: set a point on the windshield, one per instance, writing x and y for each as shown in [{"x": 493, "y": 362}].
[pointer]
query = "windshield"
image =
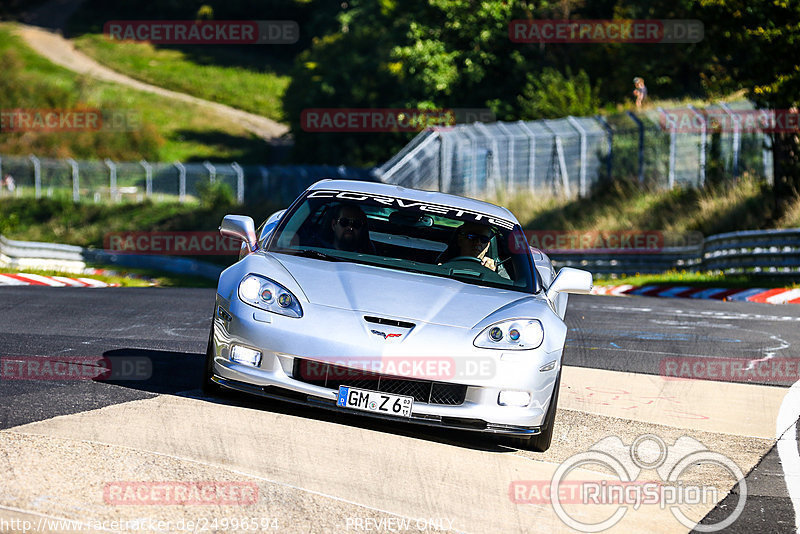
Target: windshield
[{"x": 406, "y": 235}]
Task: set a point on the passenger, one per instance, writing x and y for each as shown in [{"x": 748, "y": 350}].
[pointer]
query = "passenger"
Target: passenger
[
  {"x": 471, "y": 239},
  {"x": 350, "y": 232}
]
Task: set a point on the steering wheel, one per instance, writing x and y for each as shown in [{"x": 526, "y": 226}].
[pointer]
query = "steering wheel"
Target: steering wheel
[{"x": 465, "y": 258}]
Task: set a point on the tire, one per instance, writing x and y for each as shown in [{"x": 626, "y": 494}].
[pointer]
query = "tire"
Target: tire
[
  {"x": 541, "y": 442},
  {"x": 209, "y": 387}
]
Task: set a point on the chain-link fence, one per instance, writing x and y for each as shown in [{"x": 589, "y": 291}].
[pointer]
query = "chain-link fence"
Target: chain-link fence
[
  {"x": 103, "y": 181},
  {"x": 569, "y": 156}
]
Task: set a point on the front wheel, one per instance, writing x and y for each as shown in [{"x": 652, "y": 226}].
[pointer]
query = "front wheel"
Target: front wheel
[
  {"x": 208, "y": 386},
  {"x": 541, "y": 442}
]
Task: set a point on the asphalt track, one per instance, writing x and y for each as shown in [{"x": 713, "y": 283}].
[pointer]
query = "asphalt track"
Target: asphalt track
[{"x": 63, "y": 442}]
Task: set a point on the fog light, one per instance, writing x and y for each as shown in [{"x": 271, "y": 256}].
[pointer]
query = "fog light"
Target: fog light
[
  {"x": 514, "y": 398},
  {"x": 245, "y": 355}
]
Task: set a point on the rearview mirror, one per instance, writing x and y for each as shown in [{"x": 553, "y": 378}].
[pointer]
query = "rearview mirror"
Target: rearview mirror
[
  {"x": 570, "y": 280},
  {"x": 239, "y": 227}
]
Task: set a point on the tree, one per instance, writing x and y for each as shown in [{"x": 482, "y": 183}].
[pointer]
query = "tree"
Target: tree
[{"x": 755, "y": 44}]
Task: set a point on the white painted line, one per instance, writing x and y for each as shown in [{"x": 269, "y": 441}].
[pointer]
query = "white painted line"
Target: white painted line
[
  {"x": 8, "y": 281},
  {"x": 69, "y": 281},
  {"x": 786, "y": 432},
  {"x": 786, "y": 296},
  {"x": 93, "y": 283},
  {"x": 42, "y": 279}
]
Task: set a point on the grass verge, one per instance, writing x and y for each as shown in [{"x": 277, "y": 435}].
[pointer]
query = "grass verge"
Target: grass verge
[
  {"x": 694, "y": 279},
  {"x": 168, "y": 130},
  {"x": 260, "y": 92}
]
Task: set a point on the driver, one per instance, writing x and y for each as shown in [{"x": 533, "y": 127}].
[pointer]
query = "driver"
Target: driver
[{"x": 471, "y": 239}]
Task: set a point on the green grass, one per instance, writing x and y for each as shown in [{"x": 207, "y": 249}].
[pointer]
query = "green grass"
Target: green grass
[
  {"x": 59, "y": 220},
  {"x": 170, "y": 130},
  {"x": 259, "y": 92},
  {"x": 746, "y": 204},
  {"x": 694, "y": 279}
]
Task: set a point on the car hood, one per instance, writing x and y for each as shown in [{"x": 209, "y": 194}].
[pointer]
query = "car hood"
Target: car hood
[{"x": 398, "y": 294}]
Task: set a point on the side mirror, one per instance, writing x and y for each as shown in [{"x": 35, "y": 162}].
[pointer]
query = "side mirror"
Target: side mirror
[
  {"x": 570, "y": 280},
  {"x": 240, "y": 227}
]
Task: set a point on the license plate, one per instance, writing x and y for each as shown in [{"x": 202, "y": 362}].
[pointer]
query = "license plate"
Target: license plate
[{"x": 374, "y": 401}]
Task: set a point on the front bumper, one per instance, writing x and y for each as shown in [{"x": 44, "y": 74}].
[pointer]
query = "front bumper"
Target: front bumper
[{"x": 282, "y": 340}]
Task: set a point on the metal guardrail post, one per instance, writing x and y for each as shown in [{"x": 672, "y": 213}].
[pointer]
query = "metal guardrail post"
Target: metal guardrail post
[
  {"x": 558, "y": 149},
  {"x": 672, "y": 152},
  {"x": 181, "y": 181},
  {"x": 148, "y": 178},
  {"x": 112, "y": 178},
  {"x": 703, "y": 143},
  {"x": 76, "y": 192},
  {"x": 737, "y": 137},
  {"x": 582, "y": 173},
  {"x": 640, "y": 124},
  {"x": 610, "y": 133},
  {"x": 37, "y": 175},
  {"x": 212, "y": 171},
  {"x": 239, "y": 182}
]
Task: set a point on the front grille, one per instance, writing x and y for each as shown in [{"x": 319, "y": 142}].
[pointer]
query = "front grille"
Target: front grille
[
  {"x": 390, "y": 322},
  {"x": 333, "y": 376}
]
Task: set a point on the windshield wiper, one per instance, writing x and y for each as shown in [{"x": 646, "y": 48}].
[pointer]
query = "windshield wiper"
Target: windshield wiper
[{"x": 308, "y": 253}]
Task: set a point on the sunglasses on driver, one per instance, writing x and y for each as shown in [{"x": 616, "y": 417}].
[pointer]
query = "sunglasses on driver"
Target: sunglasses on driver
[{"x": 344, "y": 222}]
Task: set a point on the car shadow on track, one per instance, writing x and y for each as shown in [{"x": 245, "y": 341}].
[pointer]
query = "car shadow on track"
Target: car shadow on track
[{"x": 180, "y": 374}]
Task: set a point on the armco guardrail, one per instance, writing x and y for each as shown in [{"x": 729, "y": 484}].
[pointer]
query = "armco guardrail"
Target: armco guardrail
[
  {"x": 756, "y": 252},
  {"x": 71, "y": 258}
]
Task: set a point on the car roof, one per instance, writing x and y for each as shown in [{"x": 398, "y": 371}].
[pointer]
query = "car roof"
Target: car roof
[{"x": 431, "y": 197}]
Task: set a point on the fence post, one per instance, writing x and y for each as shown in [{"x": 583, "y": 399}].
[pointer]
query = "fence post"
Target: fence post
[
  {"x": 703, "y": 143},
  {"x": 212, "y": 171},
  {"x": 582, "y": 174},
  {"x": 531, "y": 154},
  {"x": 239, "y": 182},
  {"x": 112, "y": 178},
  {"x": 511, "y": 175},
  {"x": 640, "y": 124},
  {"x": 37, "y": 175},
  {"x": 181, "y": 181},
  {"x": 148, "y": 178},
  {"x": 76, "y": 194},
  {"x": 737, "y": 137},
  {"x": 672, "y": 150},
  {"x": 610, "y": 155}
]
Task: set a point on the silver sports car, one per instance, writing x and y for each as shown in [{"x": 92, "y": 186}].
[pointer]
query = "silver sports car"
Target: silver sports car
[{"x": 409, "y": 305}]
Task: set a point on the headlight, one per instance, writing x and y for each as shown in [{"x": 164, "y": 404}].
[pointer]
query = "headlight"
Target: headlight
[
  {"x": 516, "y": 334},
  {"x": 268, "y": 295}
]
